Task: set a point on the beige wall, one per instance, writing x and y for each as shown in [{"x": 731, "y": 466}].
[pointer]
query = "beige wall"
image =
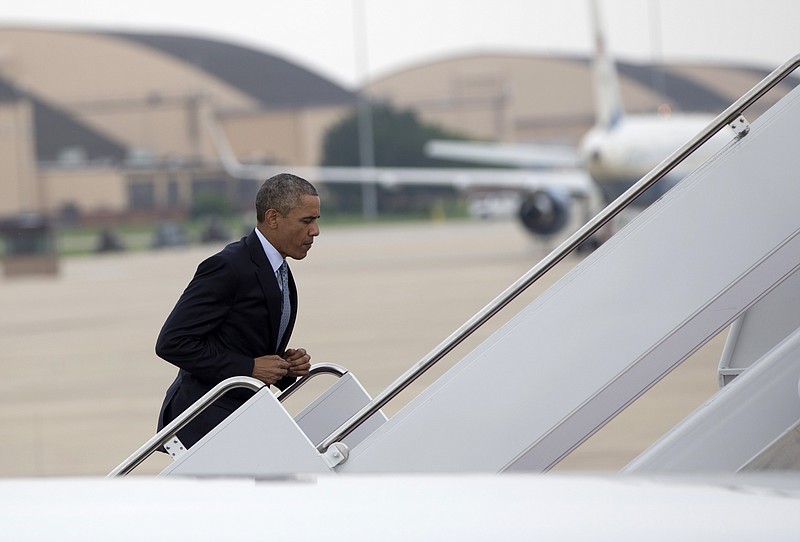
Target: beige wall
[
  {"x": 143, "y": 99},
  {"x": 158, "y": 129},
  {"x": 498, "y": 97},
  {"x": 23, "y": 189},
  {"x": 19, "y": 190},
  {"x": 92, "y": 190},
  {"x": 316, "y": 122},
  {"x": 292, "y": 137}
]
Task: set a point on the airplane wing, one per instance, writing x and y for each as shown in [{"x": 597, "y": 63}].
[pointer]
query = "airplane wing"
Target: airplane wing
[
  {"x": 545, "y": 195},
  {"x": 574, "y": 182},
  {"x": 568, "y": 179},
  {"x": 521, "y": 155}
]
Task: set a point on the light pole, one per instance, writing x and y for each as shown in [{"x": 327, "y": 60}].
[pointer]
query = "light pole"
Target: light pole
[{"x": 366, "y": 145}]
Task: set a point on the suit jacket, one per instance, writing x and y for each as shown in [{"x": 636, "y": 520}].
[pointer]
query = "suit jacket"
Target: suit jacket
[{"x": 228, "y": 315}]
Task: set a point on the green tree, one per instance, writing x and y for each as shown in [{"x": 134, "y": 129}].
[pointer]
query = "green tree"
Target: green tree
[{"x": 399, "y": 139}]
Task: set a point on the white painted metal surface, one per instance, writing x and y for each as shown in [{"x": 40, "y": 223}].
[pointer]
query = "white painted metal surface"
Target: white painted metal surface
[
  {"x": 385, "y": 508},
  {"x": 334, "y": 407},
  {"x": 759, "y": 329},
  {"x": 259, "y": 439},
  {"x": 734, "y": 426},
  {"x": 782, "y": 454},
  {"x": 623, "y": 318}
]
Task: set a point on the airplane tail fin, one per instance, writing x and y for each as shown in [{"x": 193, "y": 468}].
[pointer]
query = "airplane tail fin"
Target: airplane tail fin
[{"x": 608, "y": 98}]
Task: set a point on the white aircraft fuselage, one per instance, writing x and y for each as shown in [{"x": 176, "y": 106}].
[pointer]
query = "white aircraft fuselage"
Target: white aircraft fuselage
[{"x": 618, "y": 156}]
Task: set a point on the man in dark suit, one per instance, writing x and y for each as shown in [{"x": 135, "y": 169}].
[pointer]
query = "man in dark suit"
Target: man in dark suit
[{"x": 228, "y": 320}]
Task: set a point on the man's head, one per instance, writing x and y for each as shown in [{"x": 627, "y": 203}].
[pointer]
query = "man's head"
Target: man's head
[{"x": 287, "y": 210}]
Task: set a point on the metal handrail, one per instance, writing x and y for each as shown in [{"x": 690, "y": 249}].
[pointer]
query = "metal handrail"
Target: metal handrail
[
  {"x": 314, "y": 371},
  {"x": 160, "y": 438},
  {"x": 727, "y": 117}
]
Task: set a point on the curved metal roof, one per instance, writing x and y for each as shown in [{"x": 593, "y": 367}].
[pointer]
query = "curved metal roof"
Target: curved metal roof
[{"x": 274, "y": 82}]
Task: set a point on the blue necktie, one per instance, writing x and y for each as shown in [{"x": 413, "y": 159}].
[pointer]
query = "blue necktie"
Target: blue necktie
[{"x": 286, "y": 307}]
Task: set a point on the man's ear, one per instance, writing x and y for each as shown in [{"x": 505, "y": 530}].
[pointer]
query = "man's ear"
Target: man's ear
[{"x": 271, "y": 218}]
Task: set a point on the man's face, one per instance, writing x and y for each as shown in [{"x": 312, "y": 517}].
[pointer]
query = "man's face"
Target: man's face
[{"x": 293, "y": 234}]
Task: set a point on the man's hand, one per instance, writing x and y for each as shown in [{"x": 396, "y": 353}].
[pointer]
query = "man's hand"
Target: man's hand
[
  {"x": 270, "y": 369},
  {"x": 299, "y": 361}
]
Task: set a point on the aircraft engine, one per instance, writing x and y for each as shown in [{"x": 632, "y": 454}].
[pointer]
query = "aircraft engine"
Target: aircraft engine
[{"x": 544, "y": 212}]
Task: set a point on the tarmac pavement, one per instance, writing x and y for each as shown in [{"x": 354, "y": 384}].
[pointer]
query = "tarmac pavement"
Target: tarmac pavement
[{"x": 81, "y": 384}]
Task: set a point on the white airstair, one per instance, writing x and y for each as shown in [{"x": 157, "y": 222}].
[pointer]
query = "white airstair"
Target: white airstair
[
  {"x": 721, "y": 247},
  {"x": 753, "y": 423}
]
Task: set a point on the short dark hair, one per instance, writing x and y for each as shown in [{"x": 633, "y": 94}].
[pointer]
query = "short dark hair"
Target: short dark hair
[{"x": 282, "y": 192}]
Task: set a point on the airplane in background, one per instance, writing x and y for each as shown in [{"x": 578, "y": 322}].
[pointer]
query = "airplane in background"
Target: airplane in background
[
  {"x": 544, "y": 184},
  {"x": 617, "y": 151},
  {"x": 547, "y": 194}
]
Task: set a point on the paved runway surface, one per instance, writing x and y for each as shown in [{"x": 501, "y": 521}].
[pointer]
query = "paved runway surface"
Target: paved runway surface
[{"x": 81, "y": 385}]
